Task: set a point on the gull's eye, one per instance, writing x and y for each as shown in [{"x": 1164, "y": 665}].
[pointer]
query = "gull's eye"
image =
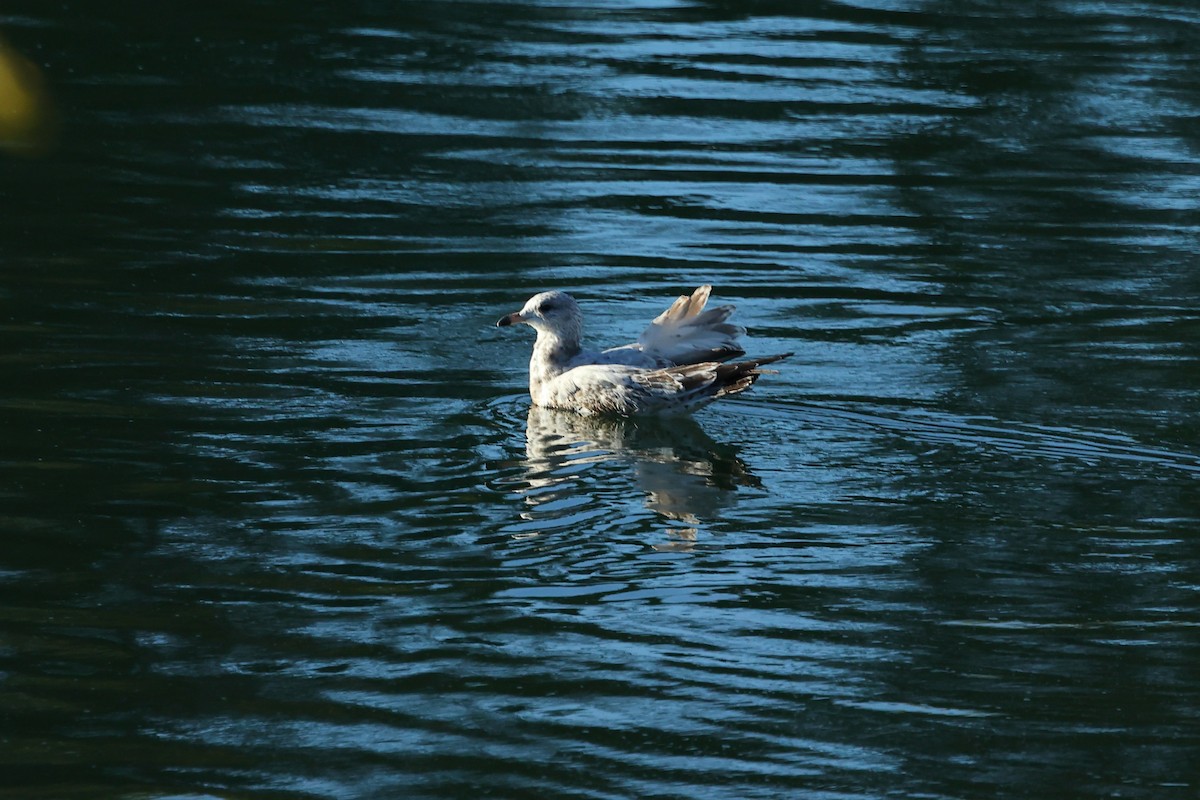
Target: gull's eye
[{"x": 545, "y": 307}]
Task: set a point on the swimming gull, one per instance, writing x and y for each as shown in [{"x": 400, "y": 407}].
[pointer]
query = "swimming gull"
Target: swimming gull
[{"x": 675, "y": 366}]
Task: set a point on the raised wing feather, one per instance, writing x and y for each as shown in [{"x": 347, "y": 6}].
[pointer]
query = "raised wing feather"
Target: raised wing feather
[{"x": 687, "y": 334}]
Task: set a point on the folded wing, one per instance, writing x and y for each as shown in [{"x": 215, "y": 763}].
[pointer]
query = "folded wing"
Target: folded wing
[{"x": 619, "y": 389}]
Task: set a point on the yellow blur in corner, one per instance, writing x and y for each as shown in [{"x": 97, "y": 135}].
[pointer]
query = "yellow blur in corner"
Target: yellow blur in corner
[{"x": 28, "y": 121}]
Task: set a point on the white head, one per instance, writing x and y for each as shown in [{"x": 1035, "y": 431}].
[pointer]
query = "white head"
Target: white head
[{"x": 554, "y": 315}]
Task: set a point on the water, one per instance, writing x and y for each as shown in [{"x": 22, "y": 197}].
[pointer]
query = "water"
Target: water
[{"x": 277, "y": 520}]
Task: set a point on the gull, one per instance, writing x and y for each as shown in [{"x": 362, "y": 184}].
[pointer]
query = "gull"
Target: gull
[{"x": 675, "y": 366}]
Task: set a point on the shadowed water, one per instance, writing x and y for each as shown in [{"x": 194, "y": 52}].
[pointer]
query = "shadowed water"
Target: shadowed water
[{"x": 276, "y": 519}]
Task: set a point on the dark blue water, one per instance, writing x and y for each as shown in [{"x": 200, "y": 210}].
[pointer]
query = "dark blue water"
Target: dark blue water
[{"x": 276, "y": 520}]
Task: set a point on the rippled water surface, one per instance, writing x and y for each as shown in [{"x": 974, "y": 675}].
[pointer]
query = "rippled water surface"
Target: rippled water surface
[{"x": 276, "y": 520}]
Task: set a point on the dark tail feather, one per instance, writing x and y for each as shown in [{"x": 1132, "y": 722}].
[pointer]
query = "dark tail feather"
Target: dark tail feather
[{"x": 741, "y": 375}]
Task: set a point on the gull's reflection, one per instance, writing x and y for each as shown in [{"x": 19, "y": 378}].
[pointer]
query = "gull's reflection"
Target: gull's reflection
[{"x": 682, "y": 473}]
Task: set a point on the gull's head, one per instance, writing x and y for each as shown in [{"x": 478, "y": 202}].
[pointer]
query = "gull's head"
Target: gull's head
[{"x": 554, "y": 313}]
